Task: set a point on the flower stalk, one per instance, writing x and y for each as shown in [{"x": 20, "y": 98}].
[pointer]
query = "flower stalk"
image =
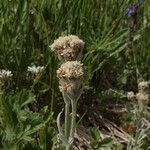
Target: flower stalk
[
  {"x": 70, "y": 74},
  {"x": 73, "y": 118},
  {"x": 67, "y": 116}
]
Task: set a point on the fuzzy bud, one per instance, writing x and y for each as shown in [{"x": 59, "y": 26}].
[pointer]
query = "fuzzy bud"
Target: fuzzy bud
[{"x": 35, "y": 70}]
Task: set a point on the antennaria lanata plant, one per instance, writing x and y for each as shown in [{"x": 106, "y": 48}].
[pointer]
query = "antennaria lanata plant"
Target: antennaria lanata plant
[
  {"x": 116, "y": 58},
  {"x": 70, "y": 74}
]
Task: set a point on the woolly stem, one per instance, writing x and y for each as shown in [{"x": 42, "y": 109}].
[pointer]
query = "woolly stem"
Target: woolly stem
[
  {"x": 69, "y": 147},
  {"x": 67, "y": 115},
  {"x": 73, "y": 120},
  {"x": 67, "y": 120}
]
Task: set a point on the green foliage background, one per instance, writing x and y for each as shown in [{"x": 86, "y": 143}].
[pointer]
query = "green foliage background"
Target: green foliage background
[{"x": 28, "y": 27}]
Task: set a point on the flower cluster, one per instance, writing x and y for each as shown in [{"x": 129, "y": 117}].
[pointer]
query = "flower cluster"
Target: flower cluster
[
  {"x": 70, "y": 75},
  {"x": 143, "y": 92},
  {"x": 131, "y": 96},
  {"x": 68, "y": 48},
  {"x": 71, "y": 70},
  {"x": 35, "y": 70},
  {"x": 65, "y": 86},
  {"x": 143, "y": 87},
  {"x": 142, "y": 97},
  {"x": 5, "y": 74}
]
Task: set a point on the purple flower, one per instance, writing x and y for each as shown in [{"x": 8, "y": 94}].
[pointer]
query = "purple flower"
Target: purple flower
[{"x": 132, "y": 9}]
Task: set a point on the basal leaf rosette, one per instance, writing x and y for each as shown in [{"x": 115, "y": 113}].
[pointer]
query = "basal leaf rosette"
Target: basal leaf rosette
[
  {"x": 70, "y": 76},
  {"x": 68, "y": 48}
]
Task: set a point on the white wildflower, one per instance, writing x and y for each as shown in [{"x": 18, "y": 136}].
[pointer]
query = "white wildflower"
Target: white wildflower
[
  {"x": 143, "y": 87},
  {"x": 131, "y": 96},
  {"x": 5, "y": 74},
  {"x": 35, "y": 70}
]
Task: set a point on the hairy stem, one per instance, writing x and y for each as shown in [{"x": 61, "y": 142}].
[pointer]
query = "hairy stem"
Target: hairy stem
[
  {"x": 67, "y": 120},
  {"x": 73, "y": 119},
  {"x": 69, "y": 147}
]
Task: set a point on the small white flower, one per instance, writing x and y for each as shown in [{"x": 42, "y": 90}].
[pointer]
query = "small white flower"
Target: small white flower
[
  {"x": 143, "y": 86},
  {"x": 5, "y": 74},
  {"x": 35, "y": 70},
  {"x": 131, "y": 96}
]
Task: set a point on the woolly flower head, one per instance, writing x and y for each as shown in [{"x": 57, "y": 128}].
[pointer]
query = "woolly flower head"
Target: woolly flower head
[
  {"x": 70, "y": 76},
  {"x": 131, "y": 96},
  {"x": 66, "y": 86},
  {"x": 143, "y": 86},
  {"x": 71, "y": 70},
  {"x": 142, "y": 97},
  {"x": 68, "y": 47},
  {"x": 35, "y": 70},
  {"x": 5, "y": 74}
]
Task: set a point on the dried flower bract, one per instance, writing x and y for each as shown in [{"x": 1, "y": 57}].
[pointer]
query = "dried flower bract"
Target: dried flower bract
[
  {"x": 70, "y": 76},
  {"x": 68, "y": 47},
  {"x": 71, "y": 70},
  {"x": 65, "y": 86}
]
